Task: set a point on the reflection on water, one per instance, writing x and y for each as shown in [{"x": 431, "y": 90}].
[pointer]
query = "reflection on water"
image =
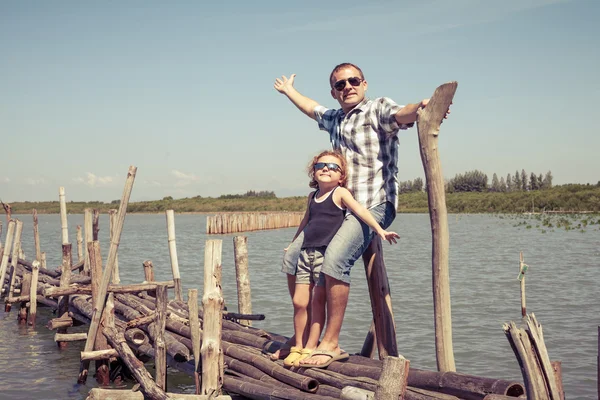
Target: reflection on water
[{"x": 562, "y": 282}]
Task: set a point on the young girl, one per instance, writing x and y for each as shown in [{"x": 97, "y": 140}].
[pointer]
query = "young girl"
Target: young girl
[{"x": 324, "y": 215}]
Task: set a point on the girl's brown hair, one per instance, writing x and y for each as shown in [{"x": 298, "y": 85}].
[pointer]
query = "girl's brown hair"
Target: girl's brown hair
[{"x": 342, "y": 162}]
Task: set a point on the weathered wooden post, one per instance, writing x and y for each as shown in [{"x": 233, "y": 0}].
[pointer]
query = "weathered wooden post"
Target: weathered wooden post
[
  {"x": 10, "y": 234},
  {"x": 80, "y": 256},
  {"x": 240, "y": 251},
  {"x": 25, "y": 287},
  {"x": 88, "y": 236},
  {"x": 106, "y": 276},
  {"x": 522, "y": 269},
  {"x": 160, "y": 349},
  {"x": 381, "y": 301},
  {"x": 36, "y": 236},
  {"x": 393, "y": 380},
  {"x": 212, "y": 302},
  {"x": 149, "y": 275},
  {"x": 102, "y": 369},
  {"x": 63, "y": 302},
  {"x": 112, "y": 215},
  {"x": 428, "y": 126},
  {"x": 95, "y": 223},
  {"x": 173, "y": 254},
  {"x": 195, "y": 333},
  {"x": 35, "y": 270},
  {"x": 63, "y": 215},
  {"x": 14, "y": 263},
  {"x": 530, "y": 350}
]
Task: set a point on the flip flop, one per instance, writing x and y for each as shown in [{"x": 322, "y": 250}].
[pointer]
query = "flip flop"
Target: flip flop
[
  {"x": 304, "y": 353},
  {"x": 333, "y": 357},
  {"x": 295, "y": 353}
]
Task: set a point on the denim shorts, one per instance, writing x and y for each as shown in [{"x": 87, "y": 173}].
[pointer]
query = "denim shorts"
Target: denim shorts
[
  {"x": 309, "y": 266},
  {"x": 347, "y": 245}
]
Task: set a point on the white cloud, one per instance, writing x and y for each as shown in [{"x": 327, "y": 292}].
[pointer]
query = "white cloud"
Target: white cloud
[
  {"x": 35, "y": 182},
  {"x": 152, "y": 183},
  {"x": 184, "y": 179},
  {"x": 92, "y": 180},
  {"x": 6, "y": 180}
]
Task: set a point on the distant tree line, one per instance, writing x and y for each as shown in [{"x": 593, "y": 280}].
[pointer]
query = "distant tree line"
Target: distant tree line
[{"x": 250, "y": 193}]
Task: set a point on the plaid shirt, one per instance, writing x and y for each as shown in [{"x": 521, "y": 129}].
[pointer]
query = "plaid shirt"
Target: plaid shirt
[{"x": 368, "y": 139}]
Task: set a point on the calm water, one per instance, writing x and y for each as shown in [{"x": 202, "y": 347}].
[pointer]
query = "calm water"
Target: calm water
[{"x": 562, "y": 285}]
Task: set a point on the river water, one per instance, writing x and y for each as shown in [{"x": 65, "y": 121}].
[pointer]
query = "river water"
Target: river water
[{"x": 562, "y": 290}]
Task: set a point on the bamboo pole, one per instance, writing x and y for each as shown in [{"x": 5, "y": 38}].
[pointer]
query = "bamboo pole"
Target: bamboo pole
[
  {"x": 99, "y": 355},
  {"x": 69, "y": 337},
  {"x": 114, "y": 246},
  {"x": 10, "y": 234},
  {"x": 33, "y": 292},
  {"x": 14, "y": 263},
  {"x": 381, "y": 301},
  {"x": 63, "y": 215},
  {"x": 133, "y": 288},
  {"x": 212, "y": 302},
  {"x": 80, "y": 256},
  {"x": 112, "y": 214},
  {"x": 173, "y": 254},
  {"x": 195, "y": 333},
  {"x": 63, "y": 302},
  {"x": 88, "y": 238},
  {"x": 36, "y": 236},
  {"x": 428, "y": 126},
  {"x": 160, "y": 350},
  {"x": 557, "y": 367},
  {"x": 240, "y": 251}
]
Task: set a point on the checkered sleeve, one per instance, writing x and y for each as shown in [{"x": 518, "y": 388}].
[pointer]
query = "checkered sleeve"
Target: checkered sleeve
[
  {"x": 325, "y": 118},
  {"x": 387, "y": 110}
]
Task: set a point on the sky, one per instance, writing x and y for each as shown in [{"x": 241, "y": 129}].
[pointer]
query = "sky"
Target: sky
[{"x": 183, "y": 90}]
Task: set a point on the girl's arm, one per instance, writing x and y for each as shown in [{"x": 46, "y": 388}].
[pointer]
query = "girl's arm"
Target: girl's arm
[{"x": 364, "y": 214}]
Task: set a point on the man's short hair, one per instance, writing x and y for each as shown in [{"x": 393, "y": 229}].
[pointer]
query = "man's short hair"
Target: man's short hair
[{"x": 342, "y": 66}]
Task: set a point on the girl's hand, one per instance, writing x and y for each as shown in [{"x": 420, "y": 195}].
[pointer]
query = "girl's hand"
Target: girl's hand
[
  {"x": 389, "y": 236},
  {"x": 286, "y": 249}
]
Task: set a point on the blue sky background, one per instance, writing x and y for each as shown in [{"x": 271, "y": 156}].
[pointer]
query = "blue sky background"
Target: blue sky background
[{"x": 184, "y": 90}]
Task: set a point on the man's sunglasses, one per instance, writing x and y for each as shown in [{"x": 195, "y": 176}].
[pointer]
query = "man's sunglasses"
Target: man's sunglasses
[
  {"x": 330, "y": 166},
  {"x": 341, "y": 84}
]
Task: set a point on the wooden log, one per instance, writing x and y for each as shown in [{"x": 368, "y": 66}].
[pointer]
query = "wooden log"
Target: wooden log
[
  {"x": 29, "y": 265},
  {"x": 393, "y": 381},
  {"x": 428, "y": 127},
  {"x": 98, "y": 355},
  {"x": 536, "y": 337},
  {"x": 14, "y": 263},
  {"x": 160, "y": 351},
  {"x": 122, "y": 394},
  {"x": 146, "y": 319},
  {"x": 134, "y": 288},
  {"x": 557, "y": 367},
  {"x": 36, "y": 236},
  {"x": 258, "y": 391},
  {"x": 33, "y": 292},
  {"x": 240, "y": 250},
  {"x": 370, "y": 343},
  {"x": 136, "y": 336},
  {"x": 69, "y": 337},
  {"x": 212, "y": 302},
  {"x": 148, "y": 386},
  {"x": 64, "y": 321},
  {"x": 95, "y": 223},
  {"x": 25, "y": 288},
  {"x": 63, "y": 302},
  {"x": 381, "y": 301},
  {"x": 114, "y": 245},
  {"x": 112, "y": 221},
  {"x": 10, "y": 234},
  {"x": 195, "y": 334},
  {"x": 43, "y": 262},
  {"x": 63, "y": 215},
  {"x": 88, "y": 235}
]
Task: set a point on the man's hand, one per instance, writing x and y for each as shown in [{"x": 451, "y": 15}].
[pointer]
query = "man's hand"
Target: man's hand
[{"x": 284, "y": 84}]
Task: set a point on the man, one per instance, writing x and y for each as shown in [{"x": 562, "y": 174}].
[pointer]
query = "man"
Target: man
[{"x": 365, "y": 132}]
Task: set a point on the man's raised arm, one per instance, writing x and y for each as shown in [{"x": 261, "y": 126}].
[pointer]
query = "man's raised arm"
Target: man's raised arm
[{"x": 304, "y": 104}]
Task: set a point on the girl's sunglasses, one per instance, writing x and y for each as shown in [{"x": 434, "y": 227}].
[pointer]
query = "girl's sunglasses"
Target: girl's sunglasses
[
  {"x": 330, "y": 166},
  {"x": 341, "y": 84}
]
